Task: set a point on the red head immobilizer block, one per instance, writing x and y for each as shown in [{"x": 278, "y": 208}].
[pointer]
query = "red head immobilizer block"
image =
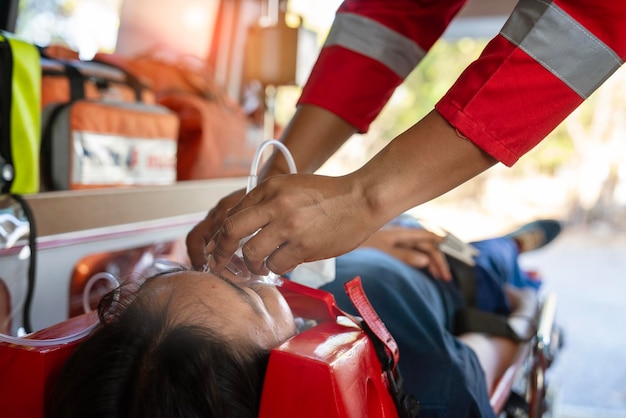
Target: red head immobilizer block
[{"x": 330, "y": 370}]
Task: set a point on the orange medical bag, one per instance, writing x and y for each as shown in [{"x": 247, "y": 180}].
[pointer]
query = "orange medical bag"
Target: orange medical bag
[
  {"x": 102, "y": 128},
  {"x": 217, "y": 139}
]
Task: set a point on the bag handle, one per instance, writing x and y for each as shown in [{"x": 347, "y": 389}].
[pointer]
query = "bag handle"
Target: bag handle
[
  {"x": 134, "y": 82},
  {"x": 77, "y": 78}
]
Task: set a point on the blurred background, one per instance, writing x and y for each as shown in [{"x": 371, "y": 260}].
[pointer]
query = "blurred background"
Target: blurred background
[{"x": 577, "y": 175}]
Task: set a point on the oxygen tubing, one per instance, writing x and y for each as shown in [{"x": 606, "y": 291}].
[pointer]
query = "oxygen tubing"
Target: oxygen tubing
[
  {"x": 256, "y": 161},
  {"x": 67, "y": 338}
]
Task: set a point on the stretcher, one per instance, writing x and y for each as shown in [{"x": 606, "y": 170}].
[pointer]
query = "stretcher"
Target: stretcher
[{"x": 336, "y": 356}]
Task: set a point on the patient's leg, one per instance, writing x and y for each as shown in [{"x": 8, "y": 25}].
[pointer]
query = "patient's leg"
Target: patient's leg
[{"x": 495, "y": 354}]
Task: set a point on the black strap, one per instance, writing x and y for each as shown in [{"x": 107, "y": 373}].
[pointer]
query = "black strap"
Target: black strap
[
  {"x": 46, "y": 153},
  {"x": 471, "y": 319},
  {"x": 77, "y": 92},
  {"x": 406, "y": 404},
  {"x": 132, "y": 81},
  {"x": 386, "y": 349},
  {"x": 6, "y": 157},
  {"x": 76, "y": 80},
  {"x": 465, "y": 279},
  {"x": 474, "y": 320}
]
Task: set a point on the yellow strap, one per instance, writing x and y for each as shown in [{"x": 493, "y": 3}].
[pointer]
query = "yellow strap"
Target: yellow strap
[{"x": 25, "y": 115}]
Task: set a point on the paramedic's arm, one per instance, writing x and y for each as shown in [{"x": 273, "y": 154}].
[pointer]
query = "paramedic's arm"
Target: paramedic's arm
[
  {"x": 312, "y": 136},
  {"x": 307, "y": 217}
]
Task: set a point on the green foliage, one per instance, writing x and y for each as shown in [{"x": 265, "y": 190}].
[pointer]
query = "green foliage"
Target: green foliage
[
  {"x": 552, "y": 153},
  {"x": 426, "y": 84}
]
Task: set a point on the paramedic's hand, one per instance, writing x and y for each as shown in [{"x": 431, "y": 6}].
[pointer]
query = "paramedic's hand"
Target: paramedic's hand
[
  {"x": 201, "y": 234},
  {"x": 418, "y": 248},
  {"x": 299, "y": 218}
]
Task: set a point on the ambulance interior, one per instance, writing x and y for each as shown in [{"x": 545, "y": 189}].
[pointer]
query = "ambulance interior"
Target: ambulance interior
[{"x": 81, "y": 231}]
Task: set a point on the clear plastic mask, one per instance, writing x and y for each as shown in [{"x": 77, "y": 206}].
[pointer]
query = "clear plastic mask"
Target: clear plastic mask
[
  {"x": 235, "y": 270},
  {"x": 237, "y": 267}
]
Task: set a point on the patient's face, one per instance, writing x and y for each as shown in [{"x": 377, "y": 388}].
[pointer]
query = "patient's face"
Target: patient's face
[{"x": 243, "y": 312}]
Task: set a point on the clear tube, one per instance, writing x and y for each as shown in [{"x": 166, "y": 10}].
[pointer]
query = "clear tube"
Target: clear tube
[
  {"x": 66, "y": 339},
  {"x": 237, "y": 266},
  {"x": 87, "y": 290},
  {"x": 28, "y": 342},
  {"x": 256, "y": 161}
]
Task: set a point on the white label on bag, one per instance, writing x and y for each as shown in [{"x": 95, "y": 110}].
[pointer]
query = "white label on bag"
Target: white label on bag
[{"x": 113, "y": 159}]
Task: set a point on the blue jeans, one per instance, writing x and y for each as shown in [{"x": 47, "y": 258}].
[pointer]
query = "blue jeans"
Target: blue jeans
[
  {"x": 497, "y": 265},
  {"x": 441, "y": 372}
]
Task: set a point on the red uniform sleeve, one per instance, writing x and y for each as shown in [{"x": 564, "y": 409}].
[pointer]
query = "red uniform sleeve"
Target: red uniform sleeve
[
  {"x": 516, "y": 93},
  {"x": 356, "y": 86},
  {"x": 549, "y": 57}
]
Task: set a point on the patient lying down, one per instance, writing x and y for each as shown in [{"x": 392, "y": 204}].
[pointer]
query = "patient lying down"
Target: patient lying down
[{"x": 192, "y": 344}]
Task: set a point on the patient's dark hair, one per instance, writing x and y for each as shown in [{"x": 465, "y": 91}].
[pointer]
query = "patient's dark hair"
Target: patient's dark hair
[{"x": 141, "y": 363}]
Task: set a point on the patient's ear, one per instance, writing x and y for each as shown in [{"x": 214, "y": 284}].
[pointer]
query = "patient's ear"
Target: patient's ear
[{"x": 5, "y": 308}]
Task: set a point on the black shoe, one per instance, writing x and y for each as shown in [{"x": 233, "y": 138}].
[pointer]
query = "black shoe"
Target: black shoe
[{"x": 536, "y": 234}]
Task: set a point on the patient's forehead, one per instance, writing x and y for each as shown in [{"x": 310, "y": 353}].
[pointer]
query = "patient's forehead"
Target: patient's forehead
[
  {"x": 188, "y": 288},
  {"x": 249, "y": 313}
]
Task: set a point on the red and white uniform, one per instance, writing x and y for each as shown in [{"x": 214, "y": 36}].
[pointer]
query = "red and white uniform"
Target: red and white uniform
[{"x": 547, "y": 59}]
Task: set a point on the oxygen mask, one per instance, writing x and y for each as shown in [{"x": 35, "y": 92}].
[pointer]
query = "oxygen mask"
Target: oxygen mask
[
  {"x": 237, "y": 266},
  {"x": 237, "y": 270}
]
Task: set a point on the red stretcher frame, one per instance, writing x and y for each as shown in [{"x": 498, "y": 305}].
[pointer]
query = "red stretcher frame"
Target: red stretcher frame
[{"x": 330, "y": 370}]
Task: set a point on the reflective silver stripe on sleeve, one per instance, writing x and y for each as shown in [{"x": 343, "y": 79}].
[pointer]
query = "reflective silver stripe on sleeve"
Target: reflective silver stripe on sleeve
[
  {"x": 372, "y": 39},
  {"x": 561, "y": 45}
]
